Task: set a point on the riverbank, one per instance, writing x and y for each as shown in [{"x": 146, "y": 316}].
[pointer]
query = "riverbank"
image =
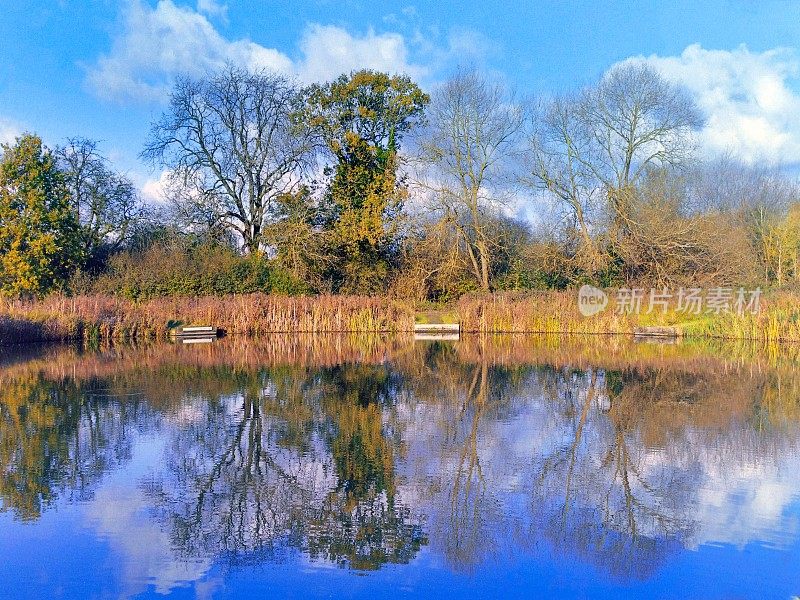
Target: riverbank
[{"x": 103, "y": 318}]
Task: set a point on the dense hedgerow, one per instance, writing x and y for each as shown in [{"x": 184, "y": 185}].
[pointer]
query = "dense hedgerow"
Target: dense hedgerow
[{"x": 202, "y": 270}]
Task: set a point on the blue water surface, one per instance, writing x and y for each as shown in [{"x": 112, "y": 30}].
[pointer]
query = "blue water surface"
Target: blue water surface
[{"x": 338, "y": 468}]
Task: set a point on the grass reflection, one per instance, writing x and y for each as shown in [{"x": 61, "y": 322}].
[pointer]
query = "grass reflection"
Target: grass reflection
[{"x": 358, "y": 451}]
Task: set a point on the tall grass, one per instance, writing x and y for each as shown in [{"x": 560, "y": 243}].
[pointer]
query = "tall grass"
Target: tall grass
[
  {"x": 546, "y": 312},
  {"x": 103, "y": 318},
  {"x": 109, "y": 318},
  {"x": 557, "y": 312}
]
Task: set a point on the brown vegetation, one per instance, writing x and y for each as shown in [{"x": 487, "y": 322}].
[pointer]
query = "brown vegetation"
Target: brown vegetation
[
  {"x": 110, "y": 318},
  {"x": 107, "y": 318}
]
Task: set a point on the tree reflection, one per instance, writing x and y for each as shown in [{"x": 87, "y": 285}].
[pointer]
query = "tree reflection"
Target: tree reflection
[
  {"x": 303, "y": 461},
  {"x": 468, "y": 397},
  {"x": 624, "y": 503},
  {"x": 477, "y": 448},
  {"x": 57, "y": 439}
]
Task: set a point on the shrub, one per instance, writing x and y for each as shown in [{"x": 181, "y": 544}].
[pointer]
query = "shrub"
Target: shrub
[{"x": 165, "y": 270}]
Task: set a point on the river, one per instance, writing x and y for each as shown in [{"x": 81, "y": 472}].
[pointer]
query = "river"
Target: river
[{"x": 384, "y": 467}]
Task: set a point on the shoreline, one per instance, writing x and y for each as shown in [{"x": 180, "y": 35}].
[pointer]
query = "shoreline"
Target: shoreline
[{"x": 104, "y": 318}]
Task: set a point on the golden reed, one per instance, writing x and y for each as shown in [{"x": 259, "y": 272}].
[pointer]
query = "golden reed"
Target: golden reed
[{"x": 105, "y": 318}]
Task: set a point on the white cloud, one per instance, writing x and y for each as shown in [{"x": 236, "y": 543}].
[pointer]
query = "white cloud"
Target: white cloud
[
  {"x": 329, "y": 51},
  {"x": 154, "y": 190},
  {"x": 213, "y": 8},
  {"x": 468, "y": 44},
  {"x": 9, "y": 131},
  {"x": 748, "y": 97},
  {"x": 157, "y": 44}
]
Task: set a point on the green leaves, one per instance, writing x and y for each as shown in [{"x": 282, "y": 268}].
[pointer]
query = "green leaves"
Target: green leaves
[
  {"x": 40, "y": 244},
  {"x": 205, "y": 269},
  {"x": 362, "y": 118},
  {"x": 365, "y": 106}
]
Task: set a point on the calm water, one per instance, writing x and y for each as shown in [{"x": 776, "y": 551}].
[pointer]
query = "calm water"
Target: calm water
[{"x": 383, "y": 468}]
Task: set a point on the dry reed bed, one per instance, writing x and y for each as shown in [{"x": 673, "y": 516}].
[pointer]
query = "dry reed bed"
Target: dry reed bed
[
  {"x": 557, "y": 312},
  {"x": 105, "y": 318}
]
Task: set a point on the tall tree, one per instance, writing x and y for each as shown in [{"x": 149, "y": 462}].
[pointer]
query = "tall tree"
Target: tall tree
[
  {"x": 472, "y": 135},
  {"x": 559, "y": 143},
  {"x": 636, "y": 120},
  {"x": 106, "y": 203},
  {"x": 601, "y": 142},
  {"x": 362, "y": 118},
  {"x": 39, "y": 237},
  {"x": 233, "y": 144}
]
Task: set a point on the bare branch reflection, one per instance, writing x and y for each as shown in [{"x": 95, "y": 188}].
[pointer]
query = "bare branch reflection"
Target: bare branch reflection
[{"x": 360, "y": 452}]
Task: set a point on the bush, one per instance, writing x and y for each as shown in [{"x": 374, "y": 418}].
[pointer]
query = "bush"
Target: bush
[{"x": 165, "y": 270}]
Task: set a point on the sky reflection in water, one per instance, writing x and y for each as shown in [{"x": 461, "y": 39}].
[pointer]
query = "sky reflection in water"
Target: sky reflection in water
[{"x": 340, "y": 466}]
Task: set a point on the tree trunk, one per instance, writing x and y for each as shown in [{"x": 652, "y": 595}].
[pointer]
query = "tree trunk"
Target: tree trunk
[{"x": 483, "y": 252}]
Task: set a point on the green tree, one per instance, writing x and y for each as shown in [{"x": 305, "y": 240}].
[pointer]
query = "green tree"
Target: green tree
[
  {"x": 39, "y": 232},
  {"x": 362, "y": 118}
]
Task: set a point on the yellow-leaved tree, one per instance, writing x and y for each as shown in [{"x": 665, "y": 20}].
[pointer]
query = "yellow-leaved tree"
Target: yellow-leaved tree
[
  {"x": 362, "y": 118},
  {"x": 39, "y": 231}
]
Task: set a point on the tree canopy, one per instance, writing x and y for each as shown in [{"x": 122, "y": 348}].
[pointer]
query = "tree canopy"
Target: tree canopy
[
  {"x": 367, "y": 184},
  {"x": 362, "y": 118},
  {"x": 40, "y": 242}
]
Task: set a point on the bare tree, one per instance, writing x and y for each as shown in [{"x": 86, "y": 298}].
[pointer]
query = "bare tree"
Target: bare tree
[
  {"x": 604, "y": 140},
  {"x": 668, "y": 244},
  {"x": 637, "y": 120},
  {"x": 106, "y": 202},
  {"x": 761, "y": 200},
  {"x": 473, "y": 131},
  {"x": 234, "y": 144},
  {"x": 559, "y": 144}
]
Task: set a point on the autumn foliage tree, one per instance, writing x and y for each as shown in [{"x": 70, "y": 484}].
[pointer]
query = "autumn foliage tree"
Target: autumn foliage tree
[
  {"x": 300, "y": 245},
  {"x": 362, "y": 118},
  {"x": 40, "y": 242}
]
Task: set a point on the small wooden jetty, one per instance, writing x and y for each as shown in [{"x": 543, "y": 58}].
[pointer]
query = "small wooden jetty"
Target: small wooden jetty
[
  {"x": 658, "y": 332},
  {"x": 195, "y": 333},
  {"x": 437, "y": 331}
]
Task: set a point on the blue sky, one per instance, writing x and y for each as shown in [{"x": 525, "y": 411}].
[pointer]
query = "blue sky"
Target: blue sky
[{"x": 102, "y": 69}]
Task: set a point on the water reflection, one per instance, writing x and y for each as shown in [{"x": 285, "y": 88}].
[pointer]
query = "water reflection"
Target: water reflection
[
  {"x": 368, "y": 452},
  {"x": 293, "y": 460}
]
